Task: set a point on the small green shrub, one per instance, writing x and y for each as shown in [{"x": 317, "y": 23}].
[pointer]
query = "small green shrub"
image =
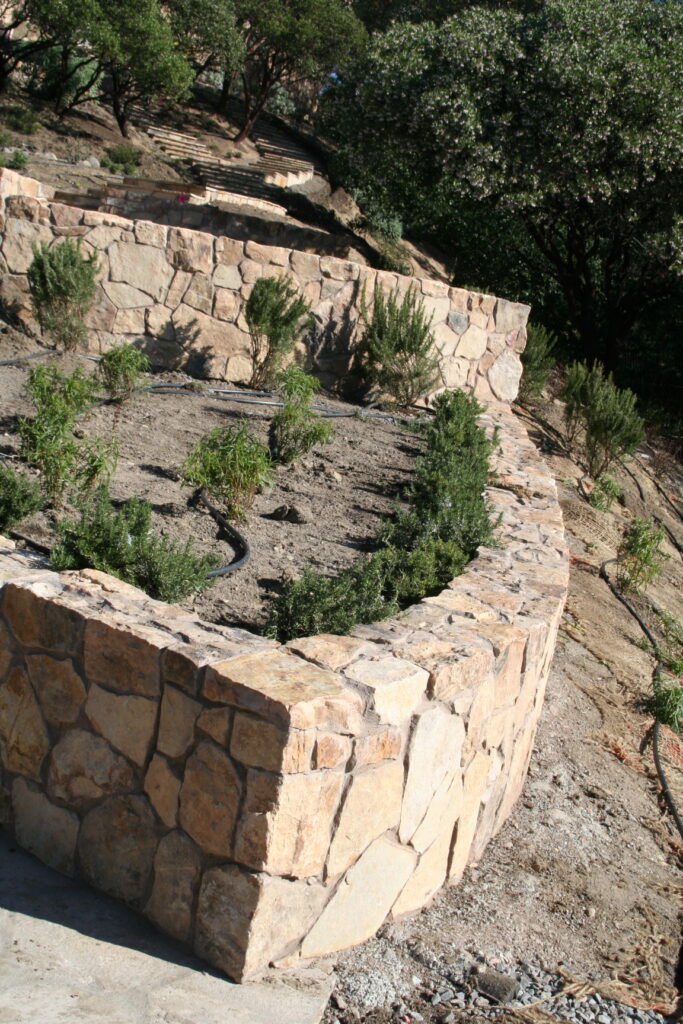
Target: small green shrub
[
  {"x": 122, "y": 159},
  {"x": 639, "y": 558},
  {"x": 607, "y": 414},
  {"x": 396, "y": 352},
  {"x": 392, "y": 257},
  {"x": 276, "y": 317},
  {"x": 605, "y": 492},
  {"x": 121, "y": 371},
  {"x": 296, "y": 428},
  {"x": 421, "y": 550},
  {"x": 62, "y": 285},
  {"x": 18, "y": 161},
  {"x": 19, "y": 497},
  {"x": 231, "y": 465},
  {"x": 22, "y": 120},
  {"x": 666, "y": 704},
  {"x": 123, "y": 545},
  {"x": 538, "y": 360}
]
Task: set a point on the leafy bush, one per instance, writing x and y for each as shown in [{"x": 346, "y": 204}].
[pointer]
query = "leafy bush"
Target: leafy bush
[
  {"x": 639, "y": 559},
  {"x": 231, "y": 465},
  {"x": 605, "y": 492},
  {"x": 537, "y": 360},
  {"x": 17, "y": 162},
  {"x": 62, "y": 285},
  {"x": 121, "y": 370},
  {"x": 296, "y": 429},
  {"x": 121, "y": 159},
  {"x": 667, "y": 705},
  {"x": 122, "y": 544},
  {"x": 396, "y": 352},
  {"x": 19, "y": 497},
  {"x": 607, "y": 414},
  {"x": 47, "y": 441},
  {"x": 421, "y": 551},
  {"x": 275, "y": 317},
  {"x": 22, "y": 120}
]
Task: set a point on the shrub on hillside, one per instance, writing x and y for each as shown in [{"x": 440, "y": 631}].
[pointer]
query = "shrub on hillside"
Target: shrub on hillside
[
  {"x": 276, "y": 317},
  {"x": 121, "y": 371},
  {"x": 296, "y": 428},
  {"x": 231, "y": 465},
  {"x": 62, "y": 285},
  {"x": 537, "y": 360},
  {"x": 19, "y": 497}
]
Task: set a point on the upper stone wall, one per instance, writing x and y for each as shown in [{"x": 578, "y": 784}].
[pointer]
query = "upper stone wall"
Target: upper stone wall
[{"x": 180, "y": 294}]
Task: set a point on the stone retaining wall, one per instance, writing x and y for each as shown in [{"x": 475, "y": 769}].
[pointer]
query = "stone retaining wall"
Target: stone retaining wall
[
  {"x": 180, "y": 294},
  {"x": 265, "y": 803}
]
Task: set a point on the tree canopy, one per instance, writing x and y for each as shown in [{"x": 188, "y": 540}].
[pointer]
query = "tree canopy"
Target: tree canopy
[{"x": 539, "y": 145}]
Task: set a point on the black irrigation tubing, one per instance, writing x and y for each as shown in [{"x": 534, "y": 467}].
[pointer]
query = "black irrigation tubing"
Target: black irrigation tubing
[
  {"x": 18, "y": 360},
  {"x": 236, "y": 538},
  {"x": 656, "y": 682}
]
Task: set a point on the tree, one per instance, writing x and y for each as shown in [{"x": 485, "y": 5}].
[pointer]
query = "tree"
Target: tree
[
  {"x": 16, "y": 45},
  {"x": 543, "y": 146},
  {"x": 208, "y": 33},
  {"x": 291, "y": 40}
]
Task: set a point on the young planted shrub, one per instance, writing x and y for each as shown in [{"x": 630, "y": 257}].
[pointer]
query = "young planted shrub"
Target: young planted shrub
[
  {"x": 608, "y": 415},
  {"x": 296, "y": 428},
  {"x": 421, "y": 550},
  {"x": 62, "y": 285},
  {"x": 396, "y": 352},
  {"x": 19, "y": 497},
  {"x": 121, "y": 371},
  {"x": 122, "y": 159},
  {"x": 605, "y": 492},
  {"x": 537, "y": 360},
  {"x": 276, "y": 317},
  {"x": 639, "y": 558},
  {"x": 231, "y": 465},
  {"x": 123, "y": 545}
]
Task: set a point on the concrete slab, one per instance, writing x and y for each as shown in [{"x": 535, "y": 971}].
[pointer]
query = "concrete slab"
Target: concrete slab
[{"x": 69, "y": 955}]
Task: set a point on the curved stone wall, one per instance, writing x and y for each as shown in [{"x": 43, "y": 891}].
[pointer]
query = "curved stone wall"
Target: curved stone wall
[
  {"x": 265, "y": 803},
  {"x": 180, "y": 295}
]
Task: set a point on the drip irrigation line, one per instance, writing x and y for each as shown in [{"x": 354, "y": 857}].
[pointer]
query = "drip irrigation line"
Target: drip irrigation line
[
  {"x": 238, "y": 539},
  {"x": 22, "y": 359},
  {"x": 656, "y": 683}
]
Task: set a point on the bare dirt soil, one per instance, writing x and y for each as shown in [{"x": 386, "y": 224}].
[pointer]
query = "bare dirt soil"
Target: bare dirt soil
[{"x": 332, "y": 499}]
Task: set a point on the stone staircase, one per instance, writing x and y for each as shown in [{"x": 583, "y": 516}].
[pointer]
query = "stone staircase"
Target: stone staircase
[{"x": 281, "y": 163}]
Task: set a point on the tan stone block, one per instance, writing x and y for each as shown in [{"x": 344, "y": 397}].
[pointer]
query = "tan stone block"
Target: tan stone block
[
  {"x": 127, "y": 722},
  {"x": 149, "y": 233},
  {"x": 245, "y": 921},
  {"x": 130, "y": 321},
  {"x": 95, "y": 217},
  {"x": 277, "y": 685},
  {"x": 434, "y": 754},
  {"x": 101, "y": 237},
  {"x": 372, "y": 806},
  {"x": 480, "y": 319},
  {"x": 65, "y": 216},
  {"x": 474, "y": 785},
  {"x": 442, "y": 814},
  {"x": 176, "y": 722},
  {"x": 125, "y": 296},
  {"x": 466, "y": 666},
  {"x": 509, "y": 644},
  {"x": 14, "y": 295},
  {"x": 431, "y": 287},
  {"x": 121, "y": 661},
  {"x": 286, "y": 821},
  {"x": 162, "y": 787},
  {"x": 238, "y": 370},
  {"x": 463, "y": 605},
  {"x": 229, "y": 251},
  {"x": 7, "y": 649},
  {"x": 331, "y": 750},
  {"x": 363, "y": 900},
  {"x": 428, "y": 877},
  {"x": 267, "y": 253},
  {"x": 227, "y": 276},
  {"x": 58, "y": 686},
  {"x": 190, "y": 250},
  {"x": 305, "y": 265},
  {"x": 395, "y": 687},
  {"x": 24, "y": 742},
  {"x": 20, "y": 236},
  {"x": 84, "y": 769},
  {"x": 378, "y": 746},
  {"x": 199, "y": 294},
  {"x": 182, "y": 663},
  {"x": 102, "y": 315},
  {"x": 260, "y": 744},
  {"x": 143, "y": 266},
  {"x": 215, "y": 722},
  {"x": 158, "y": 322},
  {"x": 116, "y": 847},
  {"x": 472, "y": 344},
  {"x": 510, "y": 315},
  {"x": 328, "y": 650},
  {"x": 46, "y": 831},
  {"x": 482, "y": 707},
  {"x": 339, "y": 270},
  {"x": 177, "y": 871},
  {"x": 436, "y": 308},
  {"x": 179, "y": 285},
  {"x": 227, "y": 305},
  {"x": 209, "y": 799},
  {"x": 504, "y": 376},
  {"x": 252, "y": 271},
  {"x": 459, "y": 300}
]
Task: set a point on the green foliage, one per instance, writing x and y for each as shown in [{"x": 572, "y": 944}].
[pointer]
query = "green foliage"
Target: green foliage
[
  {"x": 667, "y": 705},
  {"x": 296, "y": 428},
  {"x": 672, "y": 653},
  {"x": 123, "y": 545},
  {"x": 231, "y": 465},
  {"x": 21, "y": 119},
  {"x": 122, "y": 159},
  {"x": 275, "y": 316},
  {"x": 607, "y": 414},
  {"x": 538, "y": 360},
  {"x": 421, "y": 551},
  {"x": 19, "y": 497},
  {"x": 47, "y": 441},
  {"x": 391, "y": 256},
  {"x": 64, "y": 74},
  {"x": 396, "y": 352},
  {"x": 208, "y": 33},
  {"x": 62, "y": 285},
  {"x": 18, "y": 161},
  {"x": 121, "y": 371},
  {"x": 605, "y": 492},
  {"x": 539, "y": 144},
  {"x": 639, "y": 558}
]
